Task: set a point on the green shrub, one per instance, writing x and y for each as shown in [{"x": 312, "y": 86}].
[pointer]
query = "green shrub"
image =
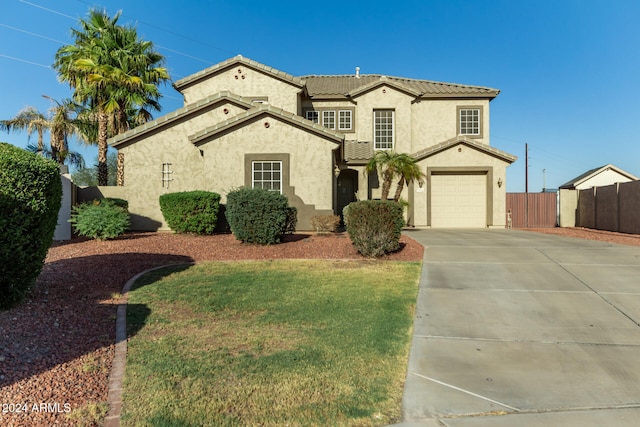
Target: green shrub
[
  {"x": 292, "y": 220},
  {"x": 374, "y": 226},
  {"x": 100, "y": 219},
  {"x": 30, "y": 197},
  {"x": 191, "y": 211},
  {"x": 259, "y": 216},
  {"x": 325, "y": 223}
]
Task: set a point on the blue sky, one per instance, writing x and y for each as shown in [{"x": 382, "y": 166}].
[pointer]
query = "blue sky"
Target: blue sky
[{"x": 567, "y": 69}]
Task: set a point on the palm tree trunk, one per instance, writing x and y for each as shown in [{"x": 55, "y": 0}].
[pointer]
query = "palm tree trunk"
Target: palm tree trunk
[
  {"x": 387, "y": 177},
  {"x": 120, "y": 170},
  {"x": 103, "y": 173},
  {"x": 40, "y": 142},
  {"x": 399, "y": 189}
]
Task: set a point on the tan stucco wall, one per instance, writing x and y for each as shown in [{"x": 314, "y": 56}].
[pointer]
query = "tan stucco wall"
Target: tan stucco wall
[
  {"x": 418, "y": 125},
  {"x": 464, "y": 158},
  {"x": 219, "y": 166},
  {"x": 568, "y": 207},
  {"x": 254, "y": 84}
]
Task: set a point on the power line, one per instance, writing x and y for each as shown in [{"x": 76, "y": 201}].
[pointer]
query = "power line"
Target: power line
[
  {"x": 47, "y": 9},
  {"x": 25, "y": 61},
  {"x": 31, "y": 34},
  {"x": 191, "y": 39}
]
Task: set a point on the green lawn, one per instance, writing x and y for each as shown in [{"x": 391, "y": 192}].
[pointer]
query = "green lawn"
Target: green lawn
[{"x": 273, "y": 343}]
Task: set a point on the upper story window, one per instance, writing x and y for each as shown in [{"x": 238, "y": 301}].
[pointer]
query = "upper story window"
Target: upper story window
[
  {"x": 340, "y": 118},
  {"x": 383, "y": 129},
  {"x": 470, "y": 121},
  {"x": 329, "y": 119},
  {"x": 313, "y": 116},
  {"x": 267, "y": 175},
  {"x": 344, "y": 120}
]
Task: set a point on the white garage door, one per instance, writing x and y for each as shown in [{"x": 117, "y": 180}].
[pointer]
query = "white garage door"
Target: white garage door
[{"x": 459, "y": 200}]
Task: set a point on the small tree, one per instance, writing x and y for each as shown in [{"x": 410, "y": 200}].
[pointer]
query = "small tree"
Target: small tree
[{"x": 394, "y": 165}]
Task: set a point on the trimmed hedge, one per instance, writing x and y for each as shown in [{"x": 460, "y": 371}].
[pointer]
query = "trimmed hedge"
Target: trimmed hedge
[
  {"x": 374, "y": 226},
  {"x": 101, "y": 219},
  {"x": 259, "y": 216},
  {"x": 191, "y": 211},
  {"x": 30, "y": 198}
]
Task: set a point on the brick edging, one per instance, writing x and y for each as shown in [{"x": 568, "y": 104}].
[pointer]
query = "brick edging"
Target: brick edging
[{"x": 114, "y": 396}]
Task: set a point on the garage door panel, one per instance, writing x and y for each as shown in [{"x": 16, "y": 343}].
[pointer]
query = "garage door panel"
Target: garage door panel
[{"x": 459, "y": 200}]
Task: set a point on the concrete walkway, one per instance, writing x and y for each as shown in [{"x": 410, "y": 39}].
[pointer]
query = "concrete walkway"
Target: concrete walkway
[{"x": 521, "y": 328}]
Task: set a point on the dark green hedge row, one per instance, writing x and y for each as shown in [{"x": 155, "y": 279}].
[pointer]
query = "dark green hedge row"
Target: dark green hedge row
[
  {"x": 30, "y": 197},
  {"x": 374, "y": 226},
  {"x": 191, "y": 211},
  {"x": 259, "y": 216}
]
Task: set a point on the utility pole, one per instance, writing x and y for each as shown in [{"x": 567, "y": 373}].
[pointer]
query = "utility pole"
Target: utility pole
[
  {"x": 526, "y": 185},
  {"x": 544, "y": 180}
]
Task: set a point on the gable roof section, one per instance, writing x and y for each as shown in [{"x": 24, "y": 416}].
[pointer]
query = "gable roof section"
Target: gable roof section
[
  {"x": 487, "y": 149},
  {"x": 348, "y": 86},
  {"x": 231, "y": 62},
  {"x": 592, "y": 173},
  {"x": 265, "y": 109},
  {"x": 180, "y": 113}
]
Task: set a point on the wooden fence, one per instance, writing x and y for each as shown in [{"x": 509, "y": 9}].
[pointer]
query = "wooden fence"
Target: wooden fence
[{"x": 532, "y": 210}]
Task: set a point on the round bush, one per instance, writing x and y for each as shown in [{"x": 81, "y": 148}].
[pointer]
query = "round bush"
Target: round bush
[
  {"x": 374, "y": 226},
  {"x": 30, "y": 197},
  {"x": 191, "y": 211},
  {"x": 259, "y": 216},
  {"x": 101, "y": 219}
]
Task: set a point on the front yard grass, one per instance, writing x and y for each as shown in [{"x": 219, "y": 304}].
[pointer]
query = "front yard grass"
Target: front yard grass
[{"x": 273, "y": 343}]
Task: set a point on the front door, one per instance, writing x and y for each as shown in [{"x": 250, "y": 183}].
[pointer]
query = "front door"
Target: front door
[{"x": 347, "y": 188}]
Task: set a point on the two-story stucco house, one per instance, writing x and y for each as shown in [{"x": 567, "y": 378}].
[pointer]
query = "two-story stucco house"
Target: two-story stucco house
[{"x": 246, "y": 124}]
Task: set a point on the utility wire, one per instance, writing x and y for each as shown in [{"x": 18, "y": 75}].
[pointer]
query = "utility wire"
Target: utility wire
[
  {"x": 25, "y": 61},
  {"x": 31, "y": 34}
]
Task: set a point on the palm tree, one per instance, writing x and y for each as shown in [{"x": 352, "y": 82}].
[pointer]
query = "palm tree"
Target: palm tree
[
  {"x": 394, "y": 165},
  {"x": 61, "y": 124},
  {"x": 31, "y": 120},
  {"x": 408, "y": 171},
  {"x": 383, "y": 161},
  {"x": 111, "y": 72}
]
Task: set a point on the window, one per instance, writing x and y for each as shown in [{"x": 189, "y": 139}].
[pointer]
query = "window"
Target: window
[
  {"x": 469, "y": 121},
  {"x": 166, "y": 175},
  {"x": 340, "y": 118},
  {"x": 383, "y": 129},
  {"x": 329, "y": 119},
  {"x": 267, "y": 175},
  {"x": 344, "y": 120},
  {"x": 313, "y": 116}
]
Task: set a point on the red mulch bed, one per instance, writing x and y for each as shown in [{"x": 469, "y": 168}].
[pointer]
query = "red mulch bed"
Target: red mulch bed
[{"x": 56, "y": 348}]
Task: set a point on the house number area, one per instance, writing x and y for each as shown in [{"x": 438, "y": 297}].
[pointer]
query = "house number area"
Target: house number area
[{"x": 35, "y": 407}]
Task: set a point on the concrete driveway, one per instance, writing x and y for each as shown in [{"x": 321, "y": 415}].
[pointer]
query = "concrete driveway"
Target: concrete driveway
[{"x": 527, "y": 329}]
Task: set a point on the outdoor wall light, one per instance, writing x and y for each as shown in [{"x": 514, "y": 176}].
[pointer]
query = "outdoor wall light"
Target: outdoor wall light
[
  {"x": 336, "y": 171},
  {"x": 421, "y": 183},
  {"x": 499, "y": 182}
]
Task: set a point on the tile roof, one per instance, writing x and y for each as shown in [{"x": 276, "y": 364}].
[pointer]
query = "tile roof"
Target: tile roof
[
  {"x": 355, "y": 151},
  {"x": 351, "y": 85},
  {"x": 256, "y": 111},
  {"x": 169, "y": 118},
  {"x": 238, "y": 59},
  {"x": 434, "y": 149}
]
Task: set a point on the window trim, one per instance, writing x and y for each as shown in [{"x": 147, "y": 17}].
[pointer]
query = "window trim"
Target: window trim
[
  {"x": 480, "y": 110},
  {"x": 306, "y": 111},
  {"x": 349, "y": 115},
  {"x": 272, "y": 181},
  {"x": 328, "y": 113},
  {"x": 285, "y": 158},
  {"x": 393, "y": 129},
  {"x": 316, "y": 113}
]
